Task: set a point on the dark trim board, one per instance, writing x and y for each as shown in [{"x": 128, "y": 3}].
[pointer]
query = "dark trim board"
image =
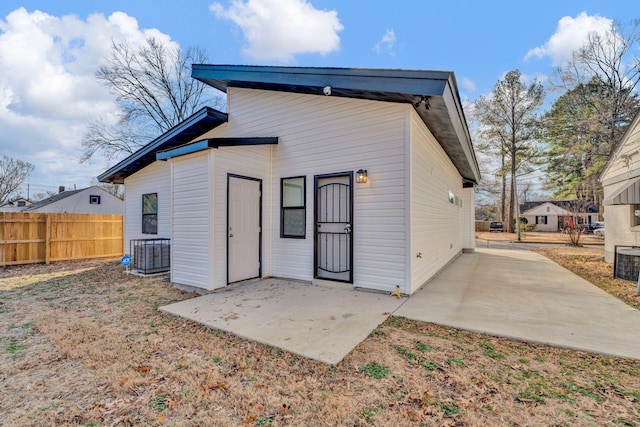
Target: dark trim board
[
  {"x": 199, "y": 123},
  {"x": 433, "y": 94},
  {"x": 194, "y": 147}
]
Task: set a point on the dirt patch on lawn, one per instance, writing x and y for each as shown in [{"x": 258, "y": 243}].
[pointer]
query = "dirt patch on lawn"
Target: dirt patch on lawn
[{"x": 84, "y": 344}]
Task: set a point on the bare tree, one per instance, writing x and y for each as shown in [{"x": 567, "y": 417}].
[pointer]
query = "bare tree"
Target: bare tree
[
  {"x": 600, "y": 100},
  {"x": 509, "y": 118},
  {"x": 43, "y": 195},
  {"x": 154, "y": 92},
  {"x": 12, "y": 174},
  {"x": 110, "y": 187}
]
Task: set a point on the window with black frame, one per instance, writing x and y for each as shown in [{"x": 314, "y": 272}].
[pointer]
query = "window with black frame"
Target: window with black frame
[
  {"x": 150, "y": 213},
  {"x": 293, "y": 207}
]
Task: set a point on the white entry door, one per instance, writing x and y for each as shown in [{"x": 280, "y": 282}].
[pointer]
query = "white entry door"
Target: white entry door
[{"x": 244, "y": 228}]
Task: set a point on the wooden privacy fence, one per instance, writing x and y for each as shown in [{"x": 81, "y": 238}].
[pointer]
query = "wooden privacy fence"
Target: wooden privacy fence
[{"x": 44, "y": 237}]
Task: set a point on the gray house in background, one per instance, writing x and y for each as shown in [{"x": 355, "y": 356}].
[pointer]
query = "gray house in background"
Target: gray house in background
[
  {"x": 15, "y": 205},
  {"x": 91, "y": 200}
]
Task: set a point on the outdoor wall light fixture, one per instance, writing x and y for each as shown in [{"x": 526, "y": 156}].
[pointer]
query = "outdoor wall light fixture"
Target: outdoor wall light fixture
[
  {"x": 422, "y": 99},
  {"x": 361, "y": 176}
]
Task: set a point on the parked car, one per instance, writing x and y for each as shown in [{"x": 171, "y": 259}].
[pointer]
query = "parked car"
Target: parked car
[
  {"x": 599, "y": 232},
  {"x": 496, "y": 226},
  {"x": 591, "y": 228}
]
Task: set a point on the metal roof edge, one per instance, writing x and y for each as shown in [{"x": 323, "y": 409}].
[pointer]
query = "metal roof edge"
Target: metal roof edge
[{"x": 150, "y": 148}]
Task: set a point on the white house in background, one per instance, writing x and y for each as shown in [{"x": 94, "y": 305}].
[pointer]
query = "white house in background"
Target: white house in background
[
  {"x": 621, "y": 184},
  {"x": 91, "y": 200},
  {"x": 360, "y": 176},
  {"x": 553, "y": 215},
  {"x": 14, "y": 205}
]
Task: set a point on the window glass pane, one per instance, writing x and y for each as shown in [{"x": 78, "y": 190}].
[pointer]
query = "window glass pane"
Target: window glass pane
[
  {"x": 293, "y": 192},
  {"x": 293, "y": 222},
  {"x": 150, "y": 203},
  {"x": 150, "y": 224}
]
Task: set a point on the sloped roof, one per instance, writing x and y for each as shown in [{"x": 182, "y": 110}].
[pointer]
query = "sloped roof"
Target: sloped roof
[
  {"x": 12, "y": 202},
  {"x": 615, "y": 155},
  {"x": 575, "y": 206},
  {"x": 52, "y": 199},
  {"x": 434, "y": 95},
  {"x": 200, "y": 122}
]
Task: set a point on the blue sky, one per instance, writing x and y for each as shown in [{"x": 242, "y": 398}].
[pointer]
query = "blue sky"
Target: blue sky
[{"x": 49, "y": 51}]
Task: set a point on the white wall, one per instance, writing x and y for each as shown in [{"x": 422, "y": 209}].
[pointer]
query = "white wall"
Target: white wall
[
  {"x": 79, "y": 203},
  {"x": 436, "y": 224},
  {"x": 623, "y": 167},
  {"x": 317, "y": 135},
  {"x": 155, "y": 178},
  {"x": 252, "y": 162},
  {"x": 617, "y": 225},
  {"x": 468, "y": 218},
  {"x": 322, "y": 135},
  {"x": 191, "y": 239}
]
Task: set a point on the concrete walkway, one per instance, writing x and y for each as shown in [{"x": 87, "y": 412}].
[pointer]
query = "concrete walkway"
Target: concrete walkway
[
  {"x": 318, "y": 322},
  {"x": 523, "y": 295},
  {"x": 505, "y": 292}
]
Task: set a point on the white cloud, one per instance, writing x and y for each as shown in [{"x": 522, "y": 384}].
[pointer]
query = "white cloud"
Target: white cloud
[
  {"x": 277, "y": 30},
  {"x": 386, "y": 44},
  {"x": 48, "y": 92},
  {"x": 570, "y": 35},
  {"x": 467, "y": 84}
]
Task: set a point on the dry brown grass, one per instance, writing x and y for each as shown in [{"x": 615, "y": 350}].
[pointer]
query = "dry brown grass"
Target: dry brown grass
[
  {"x": 588, "y": 263},
  {"x": 84, "y": 344},
  {"x": 539, "y": 237}
]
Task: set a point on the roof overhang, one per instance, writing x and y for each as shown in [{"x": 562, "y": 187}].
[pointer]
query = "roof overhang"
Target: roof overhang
[
  {"x": 433, "y": 94},
  {"x": 204, "y": 144},
  {"x": 628, "y": 194},
  {"x": 202, "y": 121}
]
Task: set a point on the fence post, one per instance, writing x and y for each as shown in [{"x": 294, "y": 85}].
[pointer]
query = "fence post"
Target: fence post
[{"x": 47, "y": 241}]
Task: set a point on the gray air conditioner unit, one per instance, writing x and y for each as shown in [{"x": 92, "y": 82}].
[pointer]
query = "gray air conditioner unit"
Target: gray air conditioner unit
[{"x": 151, "y": 256}]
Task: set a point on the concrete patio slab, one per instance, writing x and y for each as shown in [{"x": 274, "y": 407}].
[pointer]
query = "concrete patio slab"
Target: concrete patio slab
[
  {"x": 523, "y": 295},
  {"x": 318, "y": 322}
]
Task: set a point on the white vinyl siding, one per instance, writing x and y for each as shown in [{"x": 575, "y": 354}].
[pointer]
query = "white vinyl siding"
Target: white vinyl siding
[
  {"x": 618, "y": 226},
  {"x": 623, "y": 168},
  {"x": 191, "y": 243},
  {"x": 625, "y": 161},
  {"x": 323, "y": 135},
  {"x": 468, "y": 218},
  {"x": 155, "y": 178},
  {"x": 248, "y": 161},
  {"x": 436, "y": 224}
]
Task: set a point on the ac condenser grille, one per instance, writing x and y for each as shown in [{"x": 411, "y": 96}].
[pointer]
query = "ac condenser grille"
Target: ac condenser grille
[{"x": 151, "y": 256}]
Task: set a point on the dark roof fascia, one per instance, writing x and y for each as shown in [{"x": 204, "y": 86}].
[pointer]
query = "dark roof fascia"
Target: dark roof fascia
[
  {"x": 213, "y": 143},
  {"x": 444, "y": 118},
  {"x": 200, "y": 122}
]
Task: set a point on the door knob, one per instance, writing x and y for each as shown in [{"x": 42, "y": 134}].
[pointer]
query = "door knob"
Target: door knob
[{"x": 230, "y": 235}]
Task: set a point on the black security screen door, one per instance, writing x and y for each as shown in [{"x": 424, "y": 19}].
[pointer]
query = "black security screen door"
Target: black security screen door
[{"x": 333, "y": 218}]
